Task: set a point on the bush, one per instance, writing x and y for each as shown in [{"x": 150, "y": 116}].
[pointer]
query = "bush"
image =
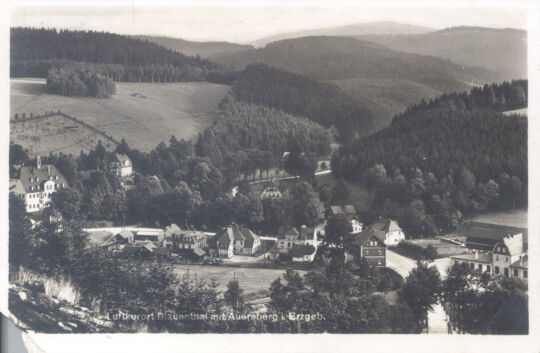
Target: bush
[{"x": 416, "y": 252}]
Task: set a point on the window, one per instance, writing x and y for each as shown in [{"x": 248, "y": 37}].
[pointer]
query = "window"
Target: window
[
  {"x": 488, "y": 268},
  {"x": 506, "y": 258},
  {"x": 525, "y": 274},
  {"x": 505, "y": 272},
  {"x": 497, "y": 257},
  {"x": 480, "y": 267},
  {"x": 516, "y": 272},
  {"x": 472, "y": 266}
]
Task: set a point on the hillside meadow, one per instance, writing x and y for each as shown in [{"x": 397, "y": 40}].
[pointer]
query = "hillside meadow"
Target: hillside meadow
[{"x": 142, "y": 113}]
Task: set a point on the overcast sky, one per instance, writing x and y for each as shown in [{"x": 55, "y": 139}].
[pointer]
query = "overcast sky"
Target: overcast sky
[{"x": 245, "y": 22}]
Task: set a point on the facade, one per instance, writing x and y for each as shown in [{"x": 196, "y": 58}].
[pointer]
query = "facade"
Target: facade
[
  {"x": 367, "y": 246},
  {"x": 388, "y": 230},
  {"x": 290, "y": 237},
  {"x": 232, "y": 241},
  {"x": 350, "y": 213},
  {"x": 188, "y": 240},
  {"x": 507, "y": 258},
  {"x": 121, "y": 165},
  {"x": 36, "y": 184}
]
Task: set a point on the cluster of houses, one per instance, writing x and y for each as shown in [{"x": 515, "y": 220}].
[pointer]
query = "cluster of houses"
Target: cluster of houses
[{"x": 498, "y": 250}]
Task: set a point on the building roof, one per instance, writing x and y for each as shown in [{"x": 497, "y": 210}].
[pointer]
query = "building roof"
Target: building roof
[
  {"x": 189, "y": 237},
  {"x": 307, "y": 233},
  {"x": 230, "y": 234},
  {"x": 514, "y": 243},
  {"x": 199, "y": 252},
  {"x": 31, "y": 176},
  {"x": 224, "y": 238},
  {"x": 283, "y": 231},
  {"x": 480, "y": 257},
  {"x": 126, "y": 234},
  {"x": 492, "y": 232},
  {"x": 171, "y": 229},
  {"x": 362, "y": 238},
  {"x": 523, "y": 262},
  {"x": 301, "y": 250},
  {"x": 386, "y": 225},
  {"x": 122, "y": 158}
]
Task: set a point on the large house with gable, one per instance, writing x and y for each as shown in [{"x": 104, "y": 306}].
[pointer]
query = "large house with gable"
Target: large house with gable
[
  {"x": 232, "y": 241},
  {"x": 36, "y": 184},
  {"x": 388, "y": 230},
  {"x": 367, "y": 245}
]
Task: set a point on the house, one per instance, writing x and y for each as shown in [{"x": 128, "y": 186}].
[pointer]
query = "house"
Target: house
[
  {"x": 154, "y": 235},
  {"x": 367, "y": 245},
  {"x": 188, "y": 239},
  {"x": 121, "y": 165},
  {"x": 388, "y": 230},
  {"x": 142, "y": 249},
  {"x": 232, "y": 241},
  {"x": 273, "y": 253},
  {"x": 271, "y": 192},
  {"x": 508, "y": 258},
  {"x": 303, "y": 253},
  {"x": 350, "y": 213},
  {"x": 110, "y": 241},
  {"x": 289, "y": 238},
  {"x": 484, "y": 236},
  {"x": 36, "y": 184}
]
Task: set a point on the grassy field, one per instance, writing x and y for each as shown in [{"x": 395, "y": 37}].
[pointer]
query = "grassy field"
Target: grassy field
[
  {"x": 251, "y": 279},
  {"x": 142, "y": 113},
  {"x": 56, "y": 134},
  {"x": 516, "y": 218}
]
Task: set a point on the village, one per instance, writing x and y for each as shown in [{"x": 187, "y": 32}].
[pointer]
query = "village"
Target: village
[{"x": 496, "y": 249}]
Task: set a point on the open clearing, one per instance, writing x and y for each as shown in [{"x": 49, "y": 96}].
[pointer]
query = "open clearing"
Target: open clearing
[
  {"x": 251, "y": 279},
  {"x": 142, "y": 113},
  {"x": 56, "y": 134}
]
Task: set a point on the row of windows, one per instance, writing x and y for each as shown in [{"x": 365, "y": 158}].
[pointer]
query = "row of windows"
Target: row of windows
[{"x": 497, "y": 270}]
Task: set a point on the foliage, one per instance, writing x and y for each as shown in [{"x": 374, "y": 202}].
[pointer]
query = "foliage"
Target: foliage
[
  {"x": 336, "y": 228},
  {"x": 416, "y": 252},
  {"x": 79, "y": 84}
]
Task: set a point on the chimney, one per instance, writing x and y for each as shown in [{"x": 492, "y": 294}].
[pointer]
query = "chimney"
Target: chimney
[{"x": 476, "y": 254}]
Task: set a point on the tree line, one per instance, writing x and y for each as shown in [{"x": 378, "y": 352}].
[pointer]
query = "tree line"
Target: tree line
[
  {"x": 121, "y": 58},
  {"x": 434, "y": 166},
  {"x": 79, "y": 84},
  {"x": 322, "y": 103}
]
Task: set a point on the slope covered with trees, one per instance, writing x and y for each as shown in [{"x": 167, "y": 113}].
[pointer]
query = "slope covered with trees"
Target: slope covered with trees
[
  {"x": 35, "y": 51},
  {"x": 79, "y": 83},
  {"x": 442, "y": 160},
  {"x": 322, "y": 103}
]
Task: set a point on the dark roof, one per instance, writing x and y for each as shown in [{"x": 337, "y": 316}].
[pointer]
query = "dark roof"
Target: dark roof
[
  {"x": 301, "y": 250},
  {"x": 492, "y": 232},
  {"x": 361, "y": 239},
  {"x": 306, "y": 233},
  {"x": 35, "y": 177},
  {"x": 482, "y": 257},
  {"x": 247, "y": 235},
  {"x": 126, "y": 234},
  {"x": 287, "y": 231},
  {"x": 224, "y": 238},
  {"x": 385, "y": 225}
]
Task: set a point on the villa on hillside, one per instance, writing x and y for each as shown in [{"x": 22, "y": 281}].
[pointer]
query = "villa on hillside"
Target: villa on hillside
[
  {"x": 36, "y": 184},
  {"x": 368, "y": 245},
  {"x": 121, "y": 165}
]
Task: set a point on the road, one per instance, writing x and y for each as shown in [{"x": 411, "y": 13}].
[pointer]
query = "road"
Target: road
[{"x": 437, "y": 322}]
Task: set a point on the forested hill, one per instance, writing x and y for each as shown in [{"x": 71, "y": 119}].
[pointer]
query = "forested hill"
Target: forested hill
[
  {"x": 322, "y": 103},
  {"x": 439, "y": 162},
  {"x": 203, "y": 49},
  {"x": 338, "y": 58},
  {"x": 35, "y": 51},
  {"x": 501, "y": 50}
]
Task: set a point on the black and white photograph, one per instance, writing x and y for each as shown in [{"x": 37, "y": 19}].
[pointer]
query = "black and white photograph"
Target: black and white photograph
[{"x": 257, "y": 169}]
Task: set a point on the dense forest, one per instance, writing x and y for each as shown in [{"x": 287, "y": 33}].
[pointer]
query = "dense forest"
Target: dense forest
[
  {"x": 442, "y": 161},
  {"x": 121, "y": 58},
  {"x": 322, "y": 103},
  {"x": 79, "y": 84}
]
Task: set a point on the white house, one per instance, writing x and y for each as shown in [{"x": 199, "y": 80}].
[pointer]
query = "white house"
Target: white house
[
  {"x": 389, "y": 230},
  {"x": 121, "y": 165},
  {"x": 36, "y": 184}
]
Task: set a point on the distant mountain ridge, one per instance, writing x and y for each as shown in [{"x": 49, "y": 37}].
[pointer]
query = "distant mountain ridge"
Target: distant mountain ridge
[
  {"x": 340, "y": 58},
  {"x": 193, "y": 48},
  {"x": 383, "y": 27},
  {"x": 501, "y": 50}
]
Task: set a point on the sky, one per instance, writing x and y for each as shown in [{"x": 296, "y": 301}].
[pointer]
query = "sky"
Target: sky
[{"x": 247, "y": 21}]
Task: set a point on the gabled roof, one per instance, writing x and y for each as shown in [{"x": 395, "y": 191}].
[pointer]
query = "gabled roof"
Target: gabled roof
[
  {"x": 122, "y": 158},
  {"x": 224, "y": 238},
  {"x": 362, "y": 239},
  {"x": 35, "y": 177},
  {"x": 126, "y": 234},
  {"x": 16, "y": 187},
  {"x": 514, "y": 243},
  {"x": 306, "y": 233},
  {"x": 171, "y": 229},
  {"x": 287, "y": 231},
  {"x": 347, "y": 210},
  {"x": 386, "y": 225},
  {"x": 100, "y": 238},
  {"x": 247, "y": 235}
]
